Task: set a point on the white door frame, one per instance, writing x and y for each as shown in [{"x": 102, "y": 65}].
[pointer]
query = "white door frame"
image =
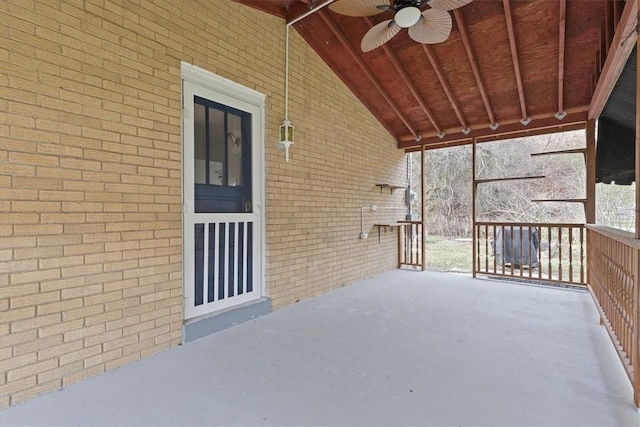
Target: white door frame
[{"x": 198, "y": 81}]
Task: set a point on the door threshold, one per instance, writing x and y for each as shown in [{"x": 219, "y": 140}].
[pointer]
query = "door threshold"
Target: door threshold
[{"x": 208, "y": 324}]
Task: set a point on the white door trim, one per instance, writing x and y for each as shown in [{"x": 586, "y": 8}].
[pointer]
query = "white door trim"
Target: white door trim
[{"x": 234, "y": 95}]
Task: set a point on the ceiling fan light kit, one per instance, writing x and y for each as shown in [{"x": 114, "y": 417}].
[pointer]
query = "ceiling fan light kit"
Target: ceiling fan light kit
[{"x": 407, "y": 17}]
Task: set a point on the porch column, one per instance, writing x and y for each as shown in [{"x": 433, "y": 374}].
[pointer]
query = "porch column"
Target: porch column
[
  {"x": 474, "y": 189},
  {"x": 422, "y": 214},
  {"x": 637, "y": 150},
  {"x": 590, "y": 205},
  {"x": 636, "y": 363}
]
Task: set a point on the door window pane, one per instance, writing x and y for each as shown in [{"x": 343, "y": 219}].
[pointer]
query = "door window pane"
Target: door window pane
[
  {"x": 217, "y": 148},
  {"x": 200, "y": 143},
  {"x": 222, "y": 158},
  {"x": 234, "y": 151}
]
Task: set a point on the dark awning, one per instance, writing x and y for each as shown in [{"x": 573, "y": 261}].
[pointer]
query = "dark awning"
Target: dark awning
[{"x": 615, "y": 155}]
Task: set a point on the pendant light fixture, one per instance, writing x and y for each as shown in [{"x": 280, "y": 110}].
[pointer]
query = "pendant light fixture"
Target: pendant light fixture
[
  {"x": 286, "y": 133},
  {"x": 286, "y": 128}
]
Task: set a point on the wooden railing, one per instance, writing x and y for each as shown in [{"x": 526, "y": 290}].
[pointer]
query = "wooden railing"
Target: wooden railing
[
  {"x": 541, "y": 252},
  {"x": 410, "y": 244},
  {"x": 614, "y": 283}
]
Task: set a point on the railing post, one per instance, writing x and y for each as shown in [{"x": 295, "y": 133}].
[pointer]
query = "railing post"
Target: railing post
[
  {"x": 474, "y": 188},
  {"x": 423, "y": 220},
  {"x": 400, "y": 228}
]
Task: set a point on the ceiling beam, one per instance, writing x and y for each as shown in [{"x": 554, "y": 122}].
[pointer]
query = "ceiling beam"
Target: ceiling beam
[
  {"x": 365, "y": 69},
  {"x": 621, "y": 47},
  {"x": 607, "y": 24},
  {"x": 474, "y": 64},
  {"x": 516, "y": 62},
  {"x": 576, "y": 114},
  {"x": 407, "y": 80},
  {"x": 575, "y": 121},
  {"x": 499, "y": 137},
  {"x": 562, "y": 25},
  {"x": 326, "y": 57},
  {"x": 445, "y": 85}
]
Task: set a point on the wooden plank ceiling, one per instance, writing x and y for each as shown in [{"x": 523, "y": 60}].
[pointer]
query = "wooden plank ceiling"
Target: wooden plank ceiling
[{"x": 509, "y": 67}]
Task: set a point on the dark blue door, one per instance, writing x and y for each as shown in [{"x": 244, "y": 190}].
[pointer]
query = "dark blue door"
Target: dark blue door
[{"x": 222, "y": 148}]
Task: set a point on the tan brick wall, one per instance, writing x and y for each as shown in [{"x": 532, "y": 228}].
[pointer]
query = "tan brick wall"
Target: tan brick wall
[
  {"x": 314, "y": 201},
  {"x": 90, "y": 188}
]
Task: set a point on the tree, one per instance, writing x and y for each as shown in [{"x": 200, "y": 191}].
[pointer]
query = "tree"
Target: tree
[{"x": 448, "y": 185}]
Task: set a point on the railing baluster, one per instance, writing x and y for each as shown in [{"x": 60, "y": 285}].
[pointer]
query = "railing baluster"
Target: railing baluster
[
  {"x": 419, "y": 237},
  {"x": 530, "y": 251},
  {"x": 414, "y": 228},
  {"x": 399, "y": 245},
  {"x": 550, "y": 270},
  {"x": 477, "y": 246},
  {"x": 570, "y": 254},
  {"x": 539, "y": 234},
  {"x": 560, "y": 253},
  {"x": 511, "y": 250},
  {"x": 494, "y": 249},
  {"x": 581, "y": 254},
  {"x": 405, "y": 258},
  {"x": 520, "y": 259},
  {"x": 486, "y": 247},
  {"x": 474, "y": 249}
]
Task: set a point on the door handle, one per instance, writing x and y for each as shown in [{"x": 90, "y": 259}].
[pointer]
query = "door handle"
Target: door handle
[{"x": 247, "y": 206}]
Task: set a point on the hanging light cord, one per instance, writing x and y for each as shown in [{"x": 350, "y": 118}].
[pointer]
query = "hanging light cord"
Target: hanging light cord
[{"x": 286, "y": 74}]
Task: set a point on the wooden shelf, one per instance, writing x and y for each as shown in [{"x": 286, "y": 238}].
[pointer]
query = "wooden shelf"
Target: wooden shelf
[
  {"x": 385, "y": 225},
  {"x": 514, "y": 178},
  {"x": 571, "y": 151},
  {"x": 561, "y": 200},
  {"x": 389, "y": 186}
]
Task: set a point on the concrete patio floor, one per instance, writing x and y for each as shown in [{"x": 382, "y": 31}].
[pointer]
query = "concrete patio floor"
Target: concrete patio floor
[{"x": 403, "y": 348}]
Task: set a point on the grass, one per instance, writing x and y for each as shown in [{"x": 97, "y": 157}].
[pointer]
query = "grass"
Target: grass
[{"x": 448, "y": 254}]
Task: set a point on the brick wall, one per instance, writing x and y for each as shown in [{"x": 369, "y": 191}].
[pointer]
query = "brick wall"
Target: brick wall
[
  {"x": 90, "y": 188},
  {"x": 314, "y": 201}
]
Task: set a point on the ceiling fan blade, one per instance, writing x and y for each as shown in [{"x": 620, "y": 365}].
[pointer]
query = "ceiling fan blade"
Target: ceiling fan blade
[
  {"x": 379, "y": 34},
  {"x": 448, "y": 4},
  {"x": 435, "y": 27},
  {"x": 359, "y": 7}
]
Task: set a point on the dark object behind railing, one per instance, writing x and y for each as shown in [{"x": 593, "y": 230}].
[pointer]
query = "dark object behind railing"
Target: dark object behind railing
[{"x": 542, "y": 252}]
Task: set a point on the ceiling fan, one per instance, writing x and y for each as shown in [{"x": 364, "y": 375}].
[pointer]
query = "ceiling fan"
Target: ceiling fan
[{"x": 430, "y": 26}]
